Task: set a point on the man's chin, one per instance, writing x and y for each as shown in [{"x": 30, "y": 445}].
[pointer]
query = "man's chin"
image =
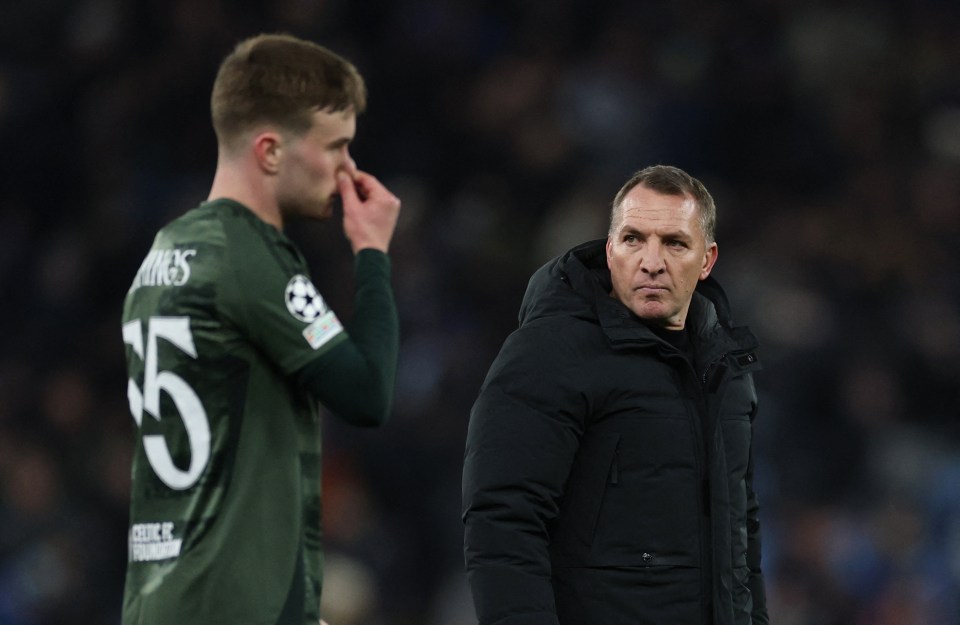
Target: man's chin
[
  {"x": 315, "y": 211},
  {"x": 320, "y": 212},
  {"x": 326, "y": 211},
  {"x": 650, "y": 311}
]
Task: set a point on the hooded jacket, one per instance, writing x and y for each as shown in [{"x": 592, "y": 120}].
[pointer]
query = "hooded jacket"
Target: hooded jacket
[{"x": 607, "y": 477}]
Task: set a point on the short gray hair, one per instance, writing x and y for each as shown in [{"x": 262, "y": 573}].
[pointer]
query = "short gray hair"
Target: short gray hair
[{"x": 669, "y": 180}]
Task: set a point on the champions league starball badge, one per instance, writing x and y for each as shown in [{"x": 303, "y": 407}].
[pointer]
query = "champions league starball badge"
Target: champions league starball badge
[{"x": 302, "y": 298}]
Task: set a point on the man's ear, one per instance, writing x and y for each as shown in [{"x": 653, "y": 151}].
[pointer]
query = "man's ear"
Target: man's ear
[
  {"x": 608, "y": 247},
  {"x": 268, "y": 149},
  {"x": 709, "y": 260}
]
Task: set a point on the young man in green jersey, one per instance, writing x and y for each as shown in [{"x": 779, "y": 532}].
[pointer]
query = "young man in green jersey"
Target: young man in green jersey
[{"x": 230, "y": 348}]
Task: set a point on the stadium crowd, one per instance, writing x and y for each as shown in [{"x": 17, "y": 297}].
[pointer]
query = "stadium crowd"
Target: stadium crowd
[{"x": 829, "y": 133}]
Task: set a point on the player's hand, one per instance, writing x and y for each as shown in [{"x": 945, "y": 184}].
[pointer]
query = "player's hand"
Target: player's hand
[{"x": 370, "y": 211}]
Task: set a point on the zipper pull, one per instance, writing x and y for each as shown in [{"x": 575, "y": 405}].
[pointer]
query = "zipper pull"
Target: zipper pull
[{"x": 712, "y": 378}]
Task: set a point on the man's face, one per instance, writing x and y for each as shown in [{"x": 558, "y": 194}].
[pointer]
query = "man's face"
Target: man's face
[
  {"x": 656, "y": 254},
  {"x": 310, "y": 164}
]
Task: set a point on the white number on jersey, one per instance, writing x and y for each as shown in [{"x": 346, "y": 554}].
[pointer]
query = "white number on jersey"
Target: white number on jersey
[{"x": 176, "y": 331}]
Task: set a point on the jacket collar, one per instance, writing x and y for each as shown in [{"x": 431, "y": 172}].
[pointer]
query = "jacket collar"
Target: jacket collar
[{"x": 585, "y": 269}]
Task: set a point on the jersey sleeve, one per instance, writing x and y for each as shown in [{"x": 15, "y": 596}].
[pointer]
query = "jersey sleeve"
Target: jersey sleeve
[
  {"x": 355, "y": 379},
  {"x": 268, "y": 294}
]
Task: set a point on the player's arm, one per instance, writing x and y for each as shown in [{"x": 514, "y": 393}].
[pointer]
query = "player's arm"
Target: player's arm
[{"x": 355, "y": 378}]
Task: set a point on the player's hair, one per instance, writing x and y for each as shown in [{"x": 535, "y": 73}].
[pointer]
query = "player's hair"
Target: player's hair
[
  {"x": 669, "y": 180},
  {"x": 282, "y": 80}
]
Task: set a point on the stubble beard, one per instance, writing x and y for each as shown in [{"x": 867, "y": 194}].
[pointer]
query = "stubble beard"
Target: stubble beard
[
  {"x": 309, "y": 209},
  {"x": 653, "y": 310}
]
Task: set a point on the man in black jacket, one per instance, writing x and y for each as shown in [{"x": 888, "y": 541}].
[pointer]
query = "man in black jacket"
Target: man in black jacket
[{"x": 608, "y": 474}]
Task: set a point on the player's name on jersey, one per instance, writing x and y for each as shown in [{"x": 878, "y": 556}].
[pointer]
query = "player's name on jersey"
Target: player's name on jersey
[
  {"x": 164, "y": 268},
  {"x": 153, "y": 541}
]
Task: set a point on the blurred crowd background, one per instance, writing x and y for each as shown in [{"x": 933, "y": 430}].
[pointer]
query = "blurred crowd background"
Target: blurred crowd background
[{"x": 828, "y": 132}]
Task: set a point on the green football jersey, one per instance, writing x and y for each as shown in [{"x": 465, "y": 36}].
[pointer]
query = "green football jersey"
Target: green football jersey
[{"x": 225, "y": 505}]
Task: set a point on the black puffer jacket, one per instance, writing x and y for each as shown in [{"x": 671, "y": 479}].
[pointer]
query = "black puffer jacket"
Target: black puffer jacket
[{"x": 607, "y": 480}]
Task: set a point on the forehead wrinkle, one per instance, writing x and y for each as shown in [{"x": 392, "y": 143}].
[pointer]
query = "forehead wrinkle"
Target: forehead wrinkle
[{"x": 680, "y": 220}]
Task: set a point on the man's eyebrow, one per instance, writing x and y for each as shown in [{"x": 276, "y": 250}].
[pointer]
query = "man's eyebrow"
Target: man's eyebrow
[
  {"x": 625, "y": 230},
  {"x": 668, "y": 234},
  {"x": 339, "y": 143}
]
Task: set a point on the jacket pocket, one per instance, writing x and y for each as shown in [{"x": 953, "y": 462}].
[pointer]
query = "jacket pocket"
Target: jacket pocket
[{"x": 594, "y": 470}]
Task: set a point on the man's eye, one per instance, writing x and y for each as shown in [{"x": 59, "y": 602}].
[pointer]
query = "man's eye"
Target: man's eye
[
  {"x": 677, "y": 244},
  {"x": 629, "y": 238}
]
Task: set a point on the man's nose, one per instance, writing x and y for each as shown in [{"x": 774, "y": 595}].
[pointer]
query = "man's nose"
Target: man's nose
[
  {"x": 348, "y": 165},
  {"x": 651, "y": 262}
]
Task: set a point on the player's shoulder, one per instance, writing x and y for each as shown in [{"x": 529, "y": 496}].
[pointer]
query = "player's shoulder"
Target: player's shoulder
[
  {"x": 199, "y": 226},
  {"x": 248, "y": 239},
  {"x": 227, "y": 231},
  {"x": 224, "y": 243},
  {"x": 188, "y": 250}
]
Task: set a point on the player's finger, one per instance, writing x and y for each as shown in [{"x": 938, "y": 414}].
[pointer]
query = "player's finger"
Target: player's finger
[
  {"x": 368, "y": 185},
  {"x": 348, "y": 192},
  {"x": 351, "y": 167}
]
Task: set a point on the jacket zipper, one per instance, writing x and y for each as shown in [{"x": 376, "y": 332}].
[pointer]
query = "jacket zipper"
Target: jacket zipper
[
  {"x": 714, "y": 366},
  {"x": 710, "y": 382}
]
